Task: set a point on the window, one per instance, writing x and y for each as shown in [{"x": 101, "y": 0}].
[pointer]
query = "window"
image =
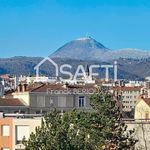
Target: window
[
  {"x": 5, "y": 130},
  {"x": 40, "y": 101},
  {"x": 81, "y": 101},
  {"x": 62, "y": 101},
  {"x": 21, "y": 132}
]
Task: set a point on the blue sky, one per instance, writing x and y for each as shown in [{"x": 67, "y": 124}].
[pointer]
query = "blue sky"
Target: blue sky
[{"x": 39, "y": 27}]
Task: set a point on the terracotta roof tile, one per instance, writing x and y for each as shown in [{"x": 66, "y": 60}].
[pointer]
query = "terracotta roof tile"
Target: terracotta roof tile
[
  {"x": 147, "y": 101},
  {"x": 46, "y": 87},
  {"x": 126, "y": 88},
  {"x": 11, "y": 102}
]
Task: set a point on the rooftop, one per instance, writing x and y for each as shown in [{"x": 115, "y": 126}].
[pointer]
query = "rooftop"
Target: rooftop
[
  {"x": 46, "y": 87},
  {"x": 147, "y": 101},
  {"x": 11, "y": 102},
  {"x": 127, "y": 88}
]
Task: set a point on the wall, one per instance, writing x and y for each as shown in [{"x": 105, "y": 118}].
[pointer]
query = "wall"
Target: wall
[
  {"x": 141, "y": 109},
  {"x": 71, "y": 101},
  {"x": 22, "y": 95},
  {"x": 32, "y": 123},
  {"x": 6, "y": 141}
]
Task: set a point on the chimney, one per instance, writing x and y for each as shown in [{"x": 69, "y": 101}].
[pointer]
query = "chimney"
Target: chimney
[
  {"x": 23, "y": 87},
  {"x": 19, "y": 88}
]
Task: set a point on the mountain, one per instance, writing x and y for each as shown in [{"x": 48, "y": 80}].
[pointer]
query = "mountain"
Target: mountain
[
  {"x": 85, "y": 48},
  {"x": 88, "y": 48},
  {"x": 132, "y": 63}
]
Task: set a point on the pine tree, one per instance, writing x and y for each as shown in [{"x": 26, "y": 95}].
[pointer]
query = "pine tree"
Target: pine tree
[{"x": 99, "y": 129}]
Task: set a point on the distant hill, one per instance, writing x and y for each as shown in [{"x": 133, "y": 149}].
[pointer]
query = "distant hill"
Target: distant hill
[
  {"x": 18, "y": 65},
  {"x": 133, "y": 69}
]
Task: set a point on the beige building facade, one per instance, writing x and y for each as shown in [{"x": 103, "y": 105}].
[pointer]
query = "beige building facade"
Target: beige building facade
[
  {"x": 15, "y": 129},
  {"x": 62, "y": 98},
  {"x": 142, "y": 109}
]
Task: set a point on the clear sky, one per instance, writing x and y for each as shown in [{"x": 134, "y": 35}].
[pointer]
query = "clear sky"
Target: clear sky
[{"x": 39, "y": 27}]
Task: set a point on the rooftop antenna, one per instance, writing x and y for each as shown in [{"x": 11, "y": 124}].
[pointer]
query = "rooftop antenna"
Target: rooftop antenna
[{"x": 87, "y": 35}]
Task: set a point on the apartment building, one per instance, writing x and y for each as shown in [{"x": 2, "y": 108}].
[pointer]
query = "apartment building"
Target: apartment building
[
  {"x": 13, "y": 129},
  {"x": 40, "y": 98},
  {"x": 128, "y": 96},
  {"x": 9, "y": 82},
  {"x": 62, "y": 97}
]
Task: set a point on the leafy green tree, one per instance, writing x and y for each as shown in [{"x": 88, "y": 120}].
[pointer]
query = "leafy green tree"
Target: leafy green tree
[{"x": 99, "y": 129}]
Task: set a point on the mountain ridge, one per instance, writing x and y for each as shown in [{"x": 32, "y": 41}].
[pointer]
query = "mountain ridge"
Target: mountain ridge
[
  {"x": 87, "y": 48},
  {"x": 132, "y": 63}
]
